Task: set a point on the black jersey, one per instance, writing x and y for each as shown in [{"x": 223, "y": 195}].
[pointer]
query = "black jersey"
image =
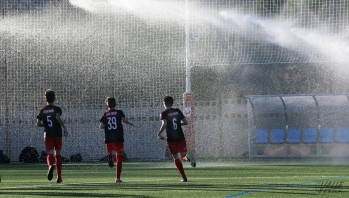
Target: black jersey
[
  {"x": 174, "y": 129},
  {"x": 113, "y": 128},
  {"x": 48, "y": 117}
]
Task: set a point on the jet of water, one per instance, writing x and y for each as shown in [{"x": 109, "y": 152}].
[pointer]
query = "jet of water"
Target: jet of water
[{"x": 285, "y": 33}]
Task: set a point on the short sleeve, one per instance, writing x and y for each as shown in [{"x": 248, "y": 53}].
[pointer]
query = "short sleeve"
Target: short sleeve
[
  {"x": 181, "y": 114},
  {"x": 59, "y": 110},
  {"x": 122, "y": 114},
  {"x": 102, "y": 118},
  {"x": 39, "y": 116}
]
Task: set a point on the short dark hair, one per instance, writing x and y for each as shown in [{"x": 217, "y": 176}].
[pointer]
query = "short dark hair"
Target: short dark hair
[
  {"x": 50, "y": 96},
  {"x": 111, "y": 102},
  {"x": 168, "y": 100}
]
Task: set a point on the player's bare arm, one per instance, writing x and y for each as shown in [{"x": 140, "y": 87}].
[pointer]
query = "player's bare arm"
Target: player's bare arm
[
  {"x": 39, "y": 123},
  {"x": 162, "y": 129},
  {"x": 184, "y": 121},
  {"x": 125, "y": 120},
  {"x": 60, "y": 121}
]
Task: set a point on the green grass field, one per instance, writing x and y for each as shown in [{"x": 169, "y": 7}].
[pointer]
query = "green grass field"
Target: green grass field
[{"x": 240, "y": 178}]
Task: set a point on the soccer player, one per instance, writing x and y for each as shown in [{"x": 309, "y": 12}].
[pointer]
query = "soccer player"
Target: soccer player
[
  {"x": 172, "y": 121},
  {"x": 111, "y": 122},
  {"x": 49, "y": 117}
]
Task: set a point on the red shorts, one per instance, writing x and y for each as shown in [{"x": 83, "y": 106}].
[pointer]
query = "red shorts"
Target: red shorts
[
  {"x": 53, "y": 143},
  {"x": 177, "y": 147},
  {"x": 118, "y": 147}
]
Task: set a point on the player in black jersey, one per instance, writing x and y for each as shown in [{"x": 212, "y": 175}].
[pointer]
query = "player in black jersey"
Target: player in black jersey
[
  {"x": 111, "y": 122},
  {"x": 172, "y": 121},
  {"x": 49, "y": 117}
]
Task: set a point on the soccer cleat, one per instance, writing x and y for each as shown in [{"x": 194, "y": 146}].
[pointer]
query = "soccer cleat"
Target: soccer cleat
[
  {"x": 50, "y": 172},
  {"x": 118, "y": 181},
  {"x": 184, "y": 180},
  {"x": 59, "y": 180},
  {"x": 191, "y": 160},
  {"x": 110, "y": 160}
]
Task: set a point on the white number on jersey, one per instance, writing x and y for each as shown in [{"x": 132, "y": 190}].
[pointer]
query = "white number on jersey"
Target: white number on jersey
[
  {"x": 174, "y": 122},
  {"x": 112, "y": 123},
  {"x": 49, "y": 121}
]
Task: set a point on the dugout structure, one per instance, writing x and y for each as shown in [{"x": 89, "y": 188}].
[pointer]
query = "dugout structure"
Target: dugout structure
[{"x": 298, "y": 125}]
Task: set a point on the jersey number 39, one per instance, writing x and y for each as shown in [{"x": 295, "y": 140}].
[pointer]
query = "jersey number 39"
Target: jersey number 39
[{"x": 112, "y": 123}]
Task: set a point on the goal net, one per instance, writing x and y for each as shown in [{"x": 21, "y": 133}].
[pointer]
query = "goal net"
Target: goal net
[{"x": 86, "y": 50}]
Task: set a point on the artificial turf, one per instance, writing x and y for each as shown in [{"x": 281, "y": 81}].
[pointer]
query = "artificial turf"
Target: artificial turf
[{"x": 235, "y": 178}]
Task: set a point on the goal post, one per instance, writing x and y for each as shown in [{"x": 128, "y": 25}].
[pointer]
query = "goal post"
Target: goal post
[
  {"x": 188, "y": 97},
  {"x": 189, "y": 112}
]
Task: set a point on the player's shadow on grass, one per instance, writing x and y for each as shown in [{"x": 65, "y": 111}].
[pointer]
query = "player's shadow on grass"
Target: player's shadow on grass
[
  {"x": 286, "y": 189},
  {"x": 66, "y": 194},
  {"x": 112, "y": 189},
  {"x": 169, "y": 187},
  {"x": 68, "y": 190}
]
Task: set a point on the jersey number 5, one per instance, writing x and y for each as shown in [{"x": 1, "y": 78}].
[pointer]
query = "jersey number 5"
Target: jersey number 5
[
  {"x": 49, "y": 121},
  {"x": 112, "y": 123}
]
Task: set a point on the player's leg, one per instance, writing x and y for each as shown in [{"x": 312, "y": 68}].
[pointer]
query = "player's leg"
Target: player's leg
[
  {"x": 177, "y": 161},
  {"x": 58, "y": 147},
  {"x": 49, "y": 145},
  {"x": 59, "y": 166},
  {"x": 188, "y": 157},
  {"x": 184, "y": 153},
  {"x": 111, "y": 154},
  {"x": 179, "y": 166},
  {"x": 119, "y": 158}
]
